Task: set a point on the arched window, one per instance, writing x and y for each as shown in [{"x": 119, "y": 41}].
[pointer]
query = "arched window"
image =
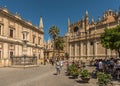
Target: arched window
[{"x": 76, "y": 29}]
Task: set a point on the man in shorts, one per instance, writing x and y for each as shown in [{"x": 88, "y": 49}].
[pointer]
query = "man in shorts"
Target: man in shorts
[{"x": 58, "y": 66}]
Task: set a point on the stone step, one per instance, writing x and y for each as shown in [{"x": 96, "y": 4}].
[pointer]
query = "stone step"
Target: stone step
[{"x": 24, "y": 66}]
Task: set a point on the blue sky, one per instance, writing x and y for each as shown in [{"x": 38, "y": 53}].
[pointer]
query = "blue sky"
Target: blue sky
[{"x": 56, "y": 12}]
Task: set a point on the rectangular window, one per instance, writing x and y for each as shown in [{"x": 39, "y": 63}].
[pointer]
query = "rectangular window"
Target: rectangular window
[
  {"x": 11, "y": 33},
  {"x": 39, "y": 56},
  {"x": 0, "y": 54},
  {"x": 0, "y": 30},
  {"x": 73, "y": 50},
  {"x": 33, "y": 39},
  {"x": 11, "y": 54},
  {"x": 39, "y": 41},
  {"x": 23, "y": 36},
  {"x": 91, "y": 43},
  {"x": 78, "y": 48},
  {"x": 33, "y": 55}
]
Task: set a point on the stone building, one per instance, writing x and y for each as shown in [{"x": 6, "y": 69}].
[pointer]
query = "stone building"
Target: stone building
[
  {"x": 19, "y": 38},
  {"x": 49, "y": 50},
  {"x": 83, "y": 37}
]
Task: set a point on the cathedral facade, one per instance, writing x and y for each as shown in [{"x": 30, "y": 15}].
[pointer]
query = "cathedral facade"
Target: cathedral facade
[
  {"x": 19, "y": 38},
  {"x": 83, "y": 37}
]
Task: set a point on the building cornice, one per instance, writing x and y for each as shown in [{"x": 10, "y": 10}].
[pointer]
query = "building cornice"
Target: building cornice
[
  {"x": 103, "y": 25},
  {"x": 20, "y": 20},
  {"x": 18, "y": 42}
]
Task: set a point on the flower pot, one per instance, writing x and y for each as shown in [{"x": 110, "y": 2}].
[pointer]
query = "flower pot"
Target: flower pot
[
  {"x": 85, "y": 79},
  {"x": 75, "y": 76},
  {"x": 109, "y": 84}
]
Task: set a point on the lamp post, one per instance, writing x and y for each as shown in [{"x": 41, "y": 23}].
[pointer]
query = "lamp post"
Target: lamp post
[
  {"x": 45, "y": 54},
  {"x": 36, "y": 56}
]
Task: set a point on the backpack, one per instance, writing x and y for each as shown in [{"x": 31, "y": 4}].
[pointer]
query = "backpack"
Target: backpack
[{"x": 58, "y": 64}]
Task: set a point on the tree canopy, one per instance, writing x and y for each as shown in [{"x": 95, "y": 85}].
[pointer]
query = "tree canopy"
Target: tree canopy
[
  {"x": 59, "y": 43},
  {"x": 110, "y": 39},
  {"x": 54, "y": 32}
]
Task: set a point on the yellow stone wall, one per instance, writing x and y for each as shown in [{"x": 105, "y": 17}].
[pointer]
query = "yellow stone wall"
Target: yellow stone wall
[
  {"x": 15, "y": 44},
  {"x": 90, "y": 32}
]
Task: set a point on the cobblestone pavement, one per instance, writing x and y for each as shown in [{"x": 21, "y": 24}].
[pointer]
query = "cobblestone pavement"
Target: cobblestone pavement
[{"x": 43, "y": 75}]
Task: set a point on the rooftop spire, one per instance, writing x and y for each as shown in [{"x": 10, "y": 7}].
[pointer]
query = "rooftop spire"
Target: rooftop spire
[
  {"x": 86, "y": 13},
  {"x": 41, "y": 23},
  {"x": 99, "y": 19},
  {"x": 119, "y": 11},
  {"x": 68, "y": 21},
  {"x": 83, "y": 18},
  {"x": 68, "y": 25},
  {"x": 92, "y": 20}
]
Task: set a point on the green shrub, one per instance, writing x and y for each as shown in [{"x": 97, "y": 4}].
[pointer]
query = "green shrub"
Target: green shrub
[
  {"x": 103, "y": 79},
  {"x": 84, "y": 73},
  {"x": 73, "y": 70}
]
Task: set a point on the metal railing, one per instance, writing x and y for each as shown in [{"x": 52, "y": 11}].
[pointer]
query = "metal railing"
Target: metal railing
[{"x": 24, "y": 60}]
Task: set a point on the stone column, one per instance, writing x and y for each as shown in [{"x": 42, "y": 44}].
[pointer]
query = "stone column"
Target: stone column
[
  {"x": 16, "y": 50},
  {"x": 75, "y": 50},
  {"x": 88, "y": 48},
  {"x": 70, "y": 50},
  {"x": 6, "y": 54},
  {"x": 37, "y": 56},
  {"x": 95, "y": 48},
  {"x": 81, "y": 49},
  {"x": 20, "y": 50}
]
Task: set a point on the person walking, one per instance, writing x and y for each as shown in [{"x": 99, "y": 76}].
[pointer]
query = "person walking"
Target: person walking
[
  {"x": 61, "y": 63},
  {"x": 100, "y": 64},
  {"x": 58, "y": 67},
  {"x": 52, "y": 61}
]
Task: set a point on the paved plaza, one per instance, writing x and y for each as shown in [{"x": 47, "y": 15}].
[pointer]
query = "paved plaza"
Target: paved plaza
[{"x": 43, "y": 75}]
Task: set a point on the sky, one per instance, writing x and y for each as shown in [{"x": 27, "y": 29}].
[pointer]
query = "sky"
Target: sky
[{"x": 57, "y": 12}]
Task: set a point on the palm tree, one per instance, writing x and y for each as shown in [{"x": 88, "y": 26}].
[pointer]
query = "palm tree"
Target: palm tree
[
  {"x": 59, "y": 45},
  {"x": 54, "y": 32}
]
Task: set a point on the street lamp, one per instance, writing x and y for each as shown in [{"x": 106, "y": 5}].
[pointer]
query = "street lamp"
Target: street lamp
[
  {"x": 36, "y": 56},
  {"x": 45, "y": 54},
  {"x": 44, "y": 57}
]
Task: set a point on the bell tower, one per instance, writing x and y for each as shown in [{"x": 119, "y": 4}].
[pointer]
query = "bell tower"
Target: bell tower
[{"x": 41, "y": 23}]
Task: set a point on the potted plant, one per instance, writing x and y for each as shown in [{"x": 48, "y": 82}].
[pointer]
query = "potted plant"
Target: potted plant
[
  {"x": 73, "y": 70},
  {"x": 85, "y": 75},
  {"x": 103, "y": 78}
]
